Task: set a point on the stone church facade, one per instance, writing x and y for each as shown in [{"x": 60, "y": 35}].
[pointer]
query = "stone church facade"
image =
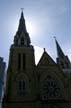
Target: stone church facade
[{"x": 45, "y": 85}]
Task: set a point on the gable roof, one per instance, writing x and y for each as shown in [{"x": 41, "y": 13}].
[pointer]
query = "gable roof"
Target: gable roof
[
  {"x": 45, "y": 60},
  {"x": 47, "y": 65}
]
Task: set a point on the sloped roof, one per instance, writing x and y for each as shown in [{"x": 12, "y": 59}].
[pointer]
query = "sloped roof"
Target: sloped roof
[
  {"x": 47, "y": 65},
  {"x": 45, "y": 60}
]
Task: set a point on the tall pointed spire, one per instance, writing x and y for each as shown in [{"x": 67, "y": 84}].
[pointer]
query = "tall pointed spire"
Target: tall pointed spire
[
  {"x": 62, "y": 59},
  {"x": 22, "y": 26},
  {"x": 60, "y": 53},
  {"x": 22, "y": 37}
]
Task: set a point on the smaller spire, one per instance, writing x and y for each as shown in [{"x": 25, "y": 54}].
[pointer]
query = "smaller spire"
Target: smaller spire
[
  {"x": 62, "y": 60},
  {"x": 60, "y": 53}
]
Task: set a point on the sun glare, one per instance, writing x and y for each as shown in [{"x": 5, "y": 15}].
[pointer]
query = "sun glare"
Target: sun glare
[{"x": 31, "y": 28}]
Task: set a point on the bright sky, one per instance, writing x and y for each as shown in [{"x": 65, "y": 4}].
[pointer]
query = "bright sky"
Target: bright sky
[{"x": 44, "y": 20}]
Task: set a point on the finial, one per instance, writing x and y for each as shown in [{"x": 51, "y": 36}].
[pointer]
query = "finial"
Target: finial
[
  {"x": 44, "y": 49},
  {"x": 54, "y": 37},
  {"x": 22, "y": 9}
]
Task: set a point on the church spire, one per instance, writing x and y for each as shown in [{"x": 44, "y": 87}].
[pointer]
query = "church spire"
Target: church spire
[
  {"x": 62, "y": 59},
  {"x": 22, "y": 37},
  {"x": 22, "y": 26},
  {"x": 60, "y": 53}
]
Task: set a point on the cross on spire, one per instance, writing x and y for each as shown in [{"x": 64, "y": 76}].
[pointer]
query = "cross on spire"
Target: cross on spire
[
  {"x": 22, "y": 9},
  {"x": 54, "y": 37}
]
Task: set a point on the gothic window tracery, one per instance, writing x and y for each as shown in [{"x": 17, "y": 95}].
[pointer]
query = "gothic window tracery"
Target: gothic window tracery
[{"x": 50, "y": 89}]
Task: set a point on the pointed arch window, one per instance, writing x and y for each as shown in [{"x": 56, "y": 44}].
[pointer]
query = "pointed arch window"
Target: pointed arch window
[
  {"x": 22, "y": 41},
  {"x": 24, "y": 61},
  {"x": 21, "y": 87},
  {"x": 19, "y": 61}
]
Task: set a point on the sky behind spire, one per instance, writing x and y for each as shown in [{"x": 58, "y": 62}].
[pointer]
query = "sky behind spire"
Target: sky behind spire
[{"x": 47, "y": 18}]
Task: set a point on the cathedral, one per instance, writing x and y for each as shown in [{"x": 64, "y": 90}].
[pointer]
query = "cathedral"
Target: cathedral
[{"x": 45, "y": 85}]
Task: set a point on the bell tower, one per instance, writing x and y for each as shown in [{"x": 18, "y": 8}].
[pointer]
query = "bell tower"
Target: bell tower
[{"x": 21, "y": 80}]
